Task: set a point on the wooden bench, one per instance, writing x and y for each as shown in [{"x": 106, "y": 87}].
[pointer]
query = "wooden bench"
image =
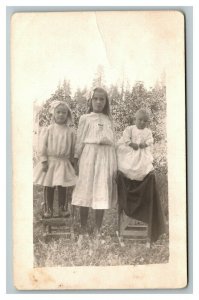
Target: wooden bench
[
  {"x": 56, "y": 227},
  {"x": 131, "y": 229}
]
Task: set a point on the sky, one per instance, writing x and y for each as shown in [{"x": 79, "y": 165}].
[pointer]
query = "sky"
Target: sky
[{"x": 47, "y": 48}]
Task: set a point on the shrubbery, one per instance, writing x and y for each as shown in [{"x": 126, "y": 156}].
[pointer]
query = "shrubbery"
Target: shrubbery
[{"x": 124, "y": 103}]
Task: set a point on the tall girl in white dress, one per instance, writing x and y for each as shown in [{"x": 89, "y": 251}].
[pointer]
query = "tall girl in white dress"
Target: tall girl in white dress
[
  {"x": 96, "y": 156},
  {"x": 56, "y": 151}
]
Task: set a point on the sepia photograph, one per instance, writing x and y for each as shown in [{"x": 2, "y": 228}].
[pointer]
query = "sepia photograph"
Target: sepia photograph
[{"x": 98, "y": 124}]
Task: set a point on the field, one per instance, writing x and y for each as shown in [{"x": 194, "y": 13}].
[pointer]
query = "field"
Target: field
[{"x": 63, "y": 252}]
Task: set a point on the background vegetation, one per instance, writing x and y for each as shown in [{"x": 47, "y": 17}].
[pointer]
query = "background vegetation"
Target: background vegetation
[{"x": 125, "y": 100}]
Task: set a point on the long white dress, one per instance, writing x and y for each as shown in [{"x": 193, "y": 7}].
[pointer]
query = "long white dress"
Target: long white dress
[
  {"x": 135, "y": 164},
  {"x": 95, "y": 148},
  {"x": 56, "y": 145}
]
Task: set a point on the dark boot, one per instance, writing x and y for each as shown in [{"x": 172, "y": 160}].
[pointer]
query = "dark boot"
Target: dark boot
[
  {"x": 63, "y": 203},
  {"x": 48, "y": 198}
]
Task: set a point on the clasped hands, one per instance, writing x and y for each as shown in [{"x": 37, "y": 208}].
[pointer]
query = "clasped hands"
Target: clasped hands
[
  {"x": 45, "y": 166},
  {"x": 137, "y": 146}
]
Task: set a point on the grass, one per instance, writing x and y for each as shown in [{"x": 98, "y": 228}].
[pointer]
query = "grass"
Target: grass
[{"x": 63, "y": 252}]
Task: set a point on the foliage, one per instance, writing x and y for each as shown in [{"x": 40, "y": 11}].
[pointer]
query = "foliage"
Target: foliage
[
  {"x": 124, "y": 104},
  {"x": 125, "y": 101},
  {"x": 99, "y": 78},
  {"x": 62, "y": 93}
]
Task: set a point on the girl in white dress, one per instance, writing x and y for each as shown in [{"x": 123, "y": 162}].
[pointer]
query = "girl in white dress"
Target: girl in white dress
[
  {"x": 56, "y": 151},
  {"x": 96, "y": 156},
  {"x": 133, "y": 151}
]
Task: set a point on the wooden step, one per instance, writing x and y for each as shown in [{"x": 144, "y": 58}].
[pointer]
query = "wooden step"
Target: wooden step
[
  {"x": 55, "y": 221},
  {"x": 57, "y": 234},
  {"x": 136, "y": 227},
  {"x": 61, "y": 228},
  {"x": 134, "y": 233},
  {"x": 136, "y": 238}
]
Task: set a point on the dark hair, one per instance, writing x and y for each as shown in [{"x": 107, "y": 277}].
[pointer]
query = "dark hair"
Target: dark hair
[{"x": 106, "y": 109}]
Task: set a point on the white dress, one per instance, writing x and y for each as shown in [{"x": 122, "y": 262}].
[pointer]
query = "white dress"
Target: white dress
[
  {"x": 135, "y": 164},
  {"x": 95, "y": 148},
  {"x": 56, "y": 145}
]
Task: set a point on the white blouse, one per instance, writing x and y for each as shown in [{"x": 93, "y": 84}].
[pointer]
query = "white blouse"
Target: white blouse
[
  {"x": 134, "y": 135},
  {"x": 56, "y": 141},
  {"x": 94, "y": 128}
]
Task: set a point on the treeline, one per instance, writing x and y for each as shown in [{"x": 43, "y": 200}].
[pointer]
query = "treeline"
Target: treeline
[{"x": 124, "y": 103}]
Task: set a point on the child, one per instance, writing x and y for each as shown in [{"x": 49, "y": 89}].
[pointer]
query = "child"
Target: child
[
  {"x": 95, "y": 150},
  {"x": 133, "y": 152},
  {"x": 56, "y": 156}
]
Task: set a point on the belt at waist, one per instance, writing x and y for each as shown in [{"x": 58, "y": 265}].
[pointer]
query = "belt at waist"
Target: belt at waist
[
  {"x": 57, "y": 157},
  {"x": 99, "y": 144}
]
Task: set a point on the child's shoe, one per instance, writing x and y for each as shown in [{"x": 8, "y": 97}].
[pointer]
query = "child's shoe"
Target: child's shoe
[
  {"x": 80, "y": 240},
  {"x": 98, "y": 238},
  {"x": 148, "y": 243},
  {"x": 83, "y": 236},
  {"x": 48, "y": 214},
  {"x": 63, "y": 212}
]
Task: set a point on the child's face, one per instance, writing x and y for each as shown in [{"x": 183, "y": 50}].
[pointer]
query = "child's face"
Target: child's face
[
  {"x": 61, "y": 113},
  {"x": 141, "y": 121},
  {"x": 98, "y": 102}
]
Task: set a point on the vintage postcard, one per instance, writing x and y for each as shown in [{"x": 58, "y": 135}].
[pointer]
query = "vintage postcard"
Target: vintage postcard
[{"x": 99, "y": 153}]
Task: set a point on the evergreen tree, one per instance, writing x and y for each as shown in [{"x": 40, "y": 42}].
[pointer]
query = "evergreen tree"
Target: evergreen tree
[{"x": 99, "y": 79}]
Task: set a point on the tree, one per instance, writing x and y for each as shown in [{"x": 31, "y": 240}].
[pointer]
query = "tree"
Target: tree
[
  {"x": 99, "y": 79},
  {"x": 62, "y": 93},
  {"x": 79, "y": 104},
  {"x": 124, "y": 104},
  {"x": 66, "y": 90}
]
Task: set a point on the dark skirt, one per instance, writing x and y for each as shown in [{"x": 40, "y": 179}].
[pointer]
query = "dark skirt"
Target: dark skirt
[{"x": 140, "y": 200}]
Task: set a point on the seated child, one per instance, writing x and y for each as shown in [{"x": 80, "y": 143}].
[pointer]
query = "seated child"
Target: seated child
[{"x": 133, "y": 151}]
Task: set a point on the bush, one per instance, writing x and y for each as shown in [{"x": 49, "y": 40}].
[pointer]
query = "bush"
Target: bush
[{"x": 124, "y": 105}]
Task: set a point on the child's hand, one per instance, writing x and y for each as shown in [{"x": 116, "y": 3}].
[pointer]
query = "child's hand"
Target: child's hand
[
  {"x": 134, "y": 146},
  {"x": 76, "y": 165},
  {"x": 142, "y": 145},
  {"x": 44, "y": 166}
]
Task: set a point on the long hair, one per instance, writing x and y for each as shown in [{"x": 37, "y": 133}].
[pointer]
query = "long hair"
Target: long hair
[{"x": 106, "y": 109}]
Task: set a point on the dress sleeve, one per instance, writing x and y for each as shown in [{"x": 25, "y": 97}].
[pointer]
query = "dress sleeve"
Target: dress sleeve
[
  {"x": 43, "y": 144},
  {"x": 106, "y": 136},
  {"x": 114, "y": 133},
  {"x": 73, "y": 141},
  {"x": 127, "y": 135},
  {"x": 81, "y": 133},
  {"x": 149, "y": 138}
]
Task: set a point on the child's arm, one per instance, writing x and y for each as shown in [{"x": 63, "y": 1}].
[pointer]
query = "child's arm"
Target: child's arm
[
  {"x": 73, "y": 142},
  {"x": 43, "y": 143},
  {"x": 73, "y": 159},
  {"x": 148, "y": 141},
  {"x": 127, "y": 135},
  {"x": 76, "y": 165},
  {"x": 44, "y": 166},
  {"x": 134, "y": 146},
  {"x": 127, "y": 138},
  {"x": 81, "y": 132}
]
